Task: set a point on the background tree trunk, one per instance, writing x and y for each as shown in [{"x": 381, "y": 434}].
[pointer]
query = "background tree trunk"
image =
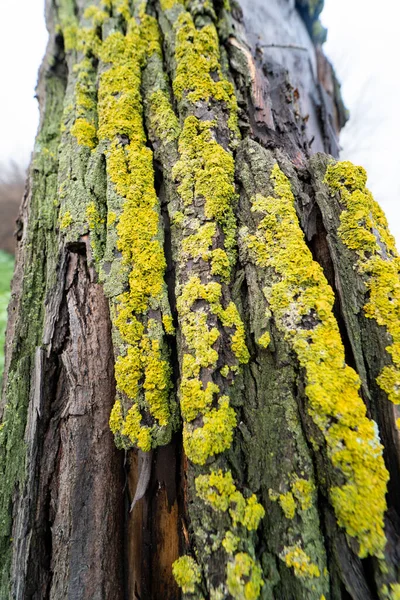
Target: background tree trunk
[{"x": 183, "y": 221}]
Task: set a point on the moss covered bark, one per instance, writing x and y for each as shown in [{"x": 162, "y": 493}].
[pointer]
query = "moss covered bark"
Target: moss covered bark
[{"x": 246, "y": 295}]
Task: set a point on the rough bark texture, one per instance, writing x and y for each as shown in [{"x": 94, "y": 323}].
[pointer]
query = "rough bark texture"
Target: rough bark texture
[{"x": 197, "y": 275}]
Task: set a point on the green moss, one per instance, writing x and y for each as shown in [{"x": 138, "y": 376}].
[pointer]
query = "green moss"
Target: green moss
[
  {"x": 299, "y": 290},
  {"x": 244, "y": 577},
  {"x": 298, "y": 560},
  {"x": 363, "y": 228},
  {"x": 187, "y": 574},
  {"x": 6, "y": 272},
  {"x": 40, "y": 255}
]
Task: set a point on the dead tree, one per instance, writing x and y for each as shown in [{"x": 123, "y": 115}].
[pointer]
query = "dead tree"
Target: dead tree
[{"x": 202, "y": 362}]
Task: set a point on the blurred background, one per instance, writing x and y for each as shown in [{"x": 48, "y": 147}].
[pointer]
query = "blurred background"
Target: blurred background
[{"x": 362, "y": 45}]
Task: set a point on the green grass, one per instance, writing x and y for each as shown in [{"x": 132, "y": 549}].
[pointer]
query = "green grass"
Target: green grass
[{"x": 6, "y": 272}]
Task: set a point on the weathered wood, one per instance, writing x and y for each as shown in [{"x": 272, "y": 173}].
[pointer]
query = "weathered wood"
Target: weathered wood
[{"x": 180, "y": 127}]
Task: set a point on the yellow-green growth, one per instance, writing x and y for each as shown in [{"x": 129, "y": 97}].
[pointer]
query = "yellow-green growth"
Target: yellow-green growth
[
  {"x": 216, "y": 434},
  {"x": 168, "y": 4},
  {"x": 66, "y": 220},
  {"x": 168, "y": 324},
  {"x": 198, "y": 70},
  {"x": 244, "y": 577},
  {"x": 187, "y": 574},
  {"x": 93, "y": 216},
  {"x": 142, "y": 369},
  {"x": 299, "y": 291},
  {"x": 96, "y": 15},
  {"x": 288, "y": 504},
  {"x": 303, "y": 490},
  {"x": 214, "y": 437},
  {"x": 116, "y": 418},
  {"x": 299, "y": 497},
  {"x": 134, "y": 431},
  {"x": 230, "y": 542},
  {"x": 219, "y": 490},
  {"x": 300, "y": 562},
  {"x": 163, "y": 118},
  {"x": 364, "y": 229},
  {"x": 264, "y": 340},
  {"x": 206, "y": 170},
  {"x": 69, "y": 28}
]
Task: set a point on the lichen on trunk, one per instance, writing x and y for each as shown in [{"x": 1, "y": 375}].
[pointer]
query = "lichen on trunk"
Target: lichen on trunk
[{"x": 195, "y": 288}]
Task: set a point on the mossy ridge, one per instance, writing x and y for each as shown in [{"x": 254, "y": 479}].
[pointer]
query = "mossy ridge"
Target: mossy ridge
[
  {"x": 299, "y": 293},
  {"x": 80, "y": 209},
  {"x": 204, "y": 222},
  {"x": 204, "y": 170},
  {"x": 135, "y": 281},
  {"x": 364, "y": 229},
  {"x": 40, "y": 252}
]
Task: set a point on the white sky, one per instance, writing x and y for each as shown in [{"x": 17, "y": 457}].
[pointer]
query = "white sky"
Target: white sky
[{"x": 362, "y": 44}]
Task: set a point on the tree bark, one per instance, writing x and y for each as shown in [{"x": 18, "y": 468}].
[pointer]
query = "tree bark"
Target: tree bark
[{"x": 201, "y": 380}]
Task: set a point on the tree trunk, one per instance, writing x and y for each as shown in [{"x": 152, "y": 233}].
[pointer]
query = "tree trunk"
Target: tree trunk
[{"x": 202, "y": 353}]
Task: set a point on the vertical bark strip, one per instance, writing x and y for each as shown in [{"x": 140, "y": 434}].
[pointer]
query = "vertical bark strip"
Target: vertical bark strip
[{"x": 197, "y": 276}]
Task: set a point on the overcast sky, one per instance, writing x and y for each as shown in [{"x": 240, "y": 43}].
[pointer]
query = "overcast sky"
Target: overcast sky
[{"x": 362, "y": 43}]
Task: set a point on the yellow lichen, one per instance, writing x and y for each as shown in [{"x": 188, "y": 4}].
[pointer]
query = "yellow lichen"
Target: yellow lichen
[
  {"x": 301, "y": 302},
  {"x": 66, "y": 220},
  {"x": 163, "y": 118},
  {"x": 288, "y": 504},
  {"x": 214, "y": 437},
  {"x": 302, "y": 490},
  {"x": 96, "y": 15},
  {"x": 142, "y": 369},
  {"x": 198, "y": 72},
  {"x": 264, "y": 340},
  {"x": 93, "y": 217},
  {"x": 363, "y": 228},
  {"x": 296, "y": 558},
  {"x": 206, "y": 170},
  {"x": 111, "y": 218},
  {"x": 116, "y": 418},
  {"x": 168, "y": 324},
  {"x": 230, "y": 542},
  {"x": 244, "y": 577},
  {"x": 134, "y": 431},
  {"x": 168, "y": 4},
  {"x": 187, "y": 574},
  {"x": 219, "y": 490}
]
